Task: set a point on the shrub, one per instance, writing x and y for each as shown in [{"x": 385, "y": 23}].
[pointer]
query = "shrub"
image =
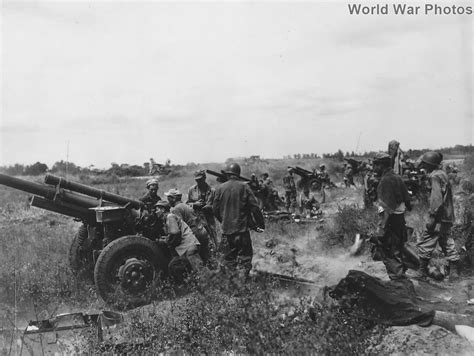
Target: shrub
[
  {"x": 350, "y": 220},
  {"x": 222, "y": 314}
]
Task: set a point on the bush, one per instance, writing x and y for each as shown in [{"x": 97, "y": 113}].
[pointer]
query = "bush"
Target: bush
[
  {"x": 222, "y": 314},
  {"x": 350, "y": 220}
]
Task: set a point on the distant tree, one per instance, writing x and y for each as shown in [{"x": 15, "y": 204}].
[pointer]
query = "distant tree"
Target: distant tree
[
  {"x": 339, "y": 155},
  {"x": 36, "y": 169},
  {"x": 65, "y": 167},
  {"x": 15, "y": 170}
]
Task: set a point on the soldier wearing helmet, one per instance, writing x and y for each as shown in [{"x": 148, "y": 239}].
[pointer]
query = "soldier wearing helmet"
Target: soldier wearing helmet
[
  {"x": 179, "y": 238},
  {"x": 236, "y": 208},
  {"x": 189, "y": 216},
  {"x": 393, "y": 199},
  {"x": 440, "y": 219},
  {"x": 200, "y": 197},
  {"x": 290, "y": 191},
  {"x": 151, "y": 197}
]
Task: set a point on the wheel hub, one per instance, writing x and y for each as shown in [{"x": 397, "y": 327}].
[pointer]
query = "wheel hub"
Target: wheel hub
[{"x": 136, "y": 275}]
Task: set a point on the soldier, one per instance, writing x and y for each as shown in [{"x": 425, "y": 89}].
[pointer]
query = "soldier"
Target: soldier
[
  {"x": 200, "y": 198},
  {"x": 290, "y": 191},
  {"x": 188, "y": 215},
  {"x": 151, "y": 197},
  {"x": 182, "y": 243},
  {"x": 325, "y": 181},
  {"x": 236, "y": 208},
  {"x": 441, "y": 217},
  {"x": 270, "y": 194},
  {"x": 371, "y": 182},
  {"x": 323, "y": 174},
  {"x": 393, "y": 199},
  {"x": 310, "y": 207},
  {"x": 348, "y": 175}
]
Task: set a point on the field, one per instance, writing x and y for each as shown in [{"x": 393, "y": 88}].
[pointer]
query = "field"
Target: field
[{"x": 217, "y": 313}]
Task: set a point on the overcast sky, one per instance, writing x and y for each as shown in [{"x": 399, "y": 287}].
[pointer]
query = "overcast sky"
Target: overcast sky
[{"x": 201, "y": 82}]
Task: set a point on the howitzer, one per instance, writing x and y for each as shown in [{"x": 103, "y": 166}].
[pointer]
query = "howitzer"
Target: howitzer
[
  {"x": 224, "y": 177},
  {"x": 115, "y": 241},
  {"x": 304, "y": 173},
  {"x": 253, "y": 182},
  {"x": 308, "y": 179}
]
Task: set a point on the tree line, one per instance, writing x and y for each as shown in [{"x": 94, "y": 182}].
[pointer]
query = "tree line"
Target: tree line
[
  {"x": 125, "y": 170},
  {"x": 63, "y": 167}
]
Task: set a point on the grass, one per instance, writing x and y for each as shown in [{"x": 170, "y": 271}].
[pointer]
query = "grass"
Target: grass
[
  {"x": 223, "y": 315},
  {"x": 216, "y": 315}
]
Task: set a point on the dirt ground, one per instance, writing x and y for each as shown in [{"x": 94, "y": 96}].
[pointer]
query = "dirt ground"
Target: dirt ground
[
  {"x": 329, "y": 267},
  {"x": 304, "y": 255}
]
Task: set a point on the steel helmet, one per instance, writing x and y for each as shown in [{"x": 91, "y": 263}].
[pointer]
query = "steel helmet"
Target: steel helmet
[
  {"x": 432, "y": 158},
  {"x": 233, "y": 168},
  {"x": 321, "y": 166}
]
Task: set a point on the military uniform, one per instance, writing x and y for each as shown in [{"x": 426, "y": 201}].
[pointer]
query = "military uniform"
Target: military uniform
[
  {"x": 236, "y": 207},
  {"x": 349, "y": 176},
  {"x": 201, "y": 201},
  {"x": 290, "y": 192},
  {"x": 183, "y": 245},
  {"x": 270, "y": 195},
  {"x": 150, "y": 200},
  {"x": 187, "y": 214},
  {"x": 393, "y": 197},
  {"x": 441, "y": 212}
]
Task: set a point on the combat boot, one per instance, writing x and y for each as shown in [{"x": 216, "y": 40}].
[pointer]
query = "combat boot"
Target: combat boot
[
  {"x": 453, "y": 270},
  {"x": 422, "y": 272}
]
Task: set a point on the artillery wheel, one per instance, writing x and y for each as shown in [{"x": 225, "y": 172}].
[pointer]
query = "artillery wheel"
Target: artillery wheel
[
  {"x": 80, "y": 255},
  {"x": 128, "y": 270}
]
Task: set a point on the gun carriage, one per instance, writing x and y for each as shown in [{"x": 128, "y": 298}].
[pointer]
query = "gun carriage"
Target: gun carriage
[
  {"x": 309, "y": 180},
  {"x": 114, "y": 240}
]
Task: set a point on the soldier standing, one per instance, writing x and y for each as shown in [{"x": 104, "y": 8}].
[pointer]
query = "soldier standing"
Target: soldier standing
[
  {"x": 236, "y": 208},
  {"x": 394, "y": 199},
  {"x": 325, "y": 181},
  {"x": 441, "y": 217},
  {"x": 270, "y": 203},
  {"x": 348, "y": 175},
  {"x": 188, "y": 215},
  {"x": 151, "y": 197},
  {"x": 200, "y": 198},
  {"x": 290, "y": 191}
]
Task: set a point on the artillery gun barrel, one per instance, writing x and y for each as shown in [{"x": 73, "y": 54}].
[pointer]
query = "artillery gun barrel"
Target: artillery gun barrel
[
  {"x": 48, "y": 192},
  {"x": 302, "y": 170},
  {"x": 29, "y": 187},
  {"x": 64, "y": 209},
  {"x": 223, "y": 177},
  {"x": 90, "y": 191}
]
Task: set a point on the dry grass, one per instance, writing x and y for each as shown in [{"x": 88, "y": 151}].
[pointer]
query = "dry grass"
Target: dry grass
[{"x": 216, "y": 316}]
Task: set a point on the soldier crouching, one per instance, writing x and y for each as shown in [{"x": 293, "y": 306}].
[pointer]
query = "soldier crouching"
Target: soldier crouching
[{"x": 182, "y": 243}]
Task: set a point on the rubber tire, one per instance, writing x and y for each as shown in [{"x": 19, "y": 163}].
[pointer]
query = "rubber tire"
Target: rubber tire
[
  {"x": 116, "y": 252},
  {"x": 81, "y": 261}
]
